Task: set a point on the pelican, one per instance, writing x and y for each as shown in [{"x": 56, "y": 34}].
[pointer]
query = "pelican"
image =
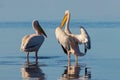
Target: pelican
[
  {"x": 69, "y": 41},
  {"x": 32, "y": 42}
]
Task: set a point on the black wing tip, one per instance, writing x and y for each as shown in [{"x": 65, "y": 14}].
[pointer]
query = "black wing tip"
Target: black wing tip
[
  {"x": 81, "y": 27},
  {"x": 65, "y": 51}
]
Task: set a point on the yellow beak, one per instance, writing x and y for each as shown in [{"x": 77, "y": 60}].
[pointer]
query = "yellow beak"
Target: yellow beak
[{"x": 64, "y": 20}]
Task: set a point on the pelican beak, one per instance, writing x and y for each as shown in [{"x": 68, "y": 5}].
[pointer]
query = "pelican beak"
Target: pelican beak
[
  {"x": 63, "y": 21},
  {"x": 41, "y": 30},
  {"x": 38, "y": 28}
]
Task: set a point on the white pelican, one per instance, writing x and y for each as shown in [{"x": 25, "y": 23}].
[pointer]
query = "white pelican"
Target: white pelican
[
  {"x": 32, "y": 42},
  {"x": 69, "y": 41}
]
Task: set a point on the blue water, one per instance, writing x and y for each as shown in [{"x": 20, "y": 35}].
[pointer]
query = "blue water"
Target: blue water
[{"x": 103, "y": 58}]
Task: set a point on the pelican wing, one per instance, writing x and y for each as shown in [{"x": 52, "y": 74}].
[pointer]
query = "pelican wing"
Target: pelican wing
[
  {"x": 32, "y": 42},
  {"x": 82, "y": 38},
  {"x": 87, "y": 38},
  {"x": 63, "y": 39}
]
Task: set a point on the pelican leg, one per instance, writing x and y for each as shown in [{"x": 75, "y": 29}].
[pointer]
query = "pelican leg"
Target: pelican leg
[
  {"x": 69, "y": 63},
  {"x": 76, "y": 59},
  {"x": 68, "y": 58},
  {"x": 36, "y": 54},
  {"x": 28, "y": 57}
]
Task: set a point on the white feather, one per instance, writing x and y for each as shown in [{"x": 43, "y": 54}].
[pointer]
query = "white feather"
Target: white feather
[{"x": 32, "y": 42}]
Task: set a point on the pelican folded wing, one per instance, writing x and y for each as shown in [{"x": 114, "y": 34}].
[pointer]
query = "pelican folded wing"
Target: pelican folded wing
[{"x": 34, "y": 42}]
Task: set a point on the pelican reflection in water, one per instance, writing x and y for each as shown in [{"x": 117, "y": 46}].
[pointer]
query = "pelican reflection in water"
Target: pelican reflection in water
[
  {"x": 32, "y": 71},
  {"x": 32, "y": 42},
  {"x": 73, "y": 72}
]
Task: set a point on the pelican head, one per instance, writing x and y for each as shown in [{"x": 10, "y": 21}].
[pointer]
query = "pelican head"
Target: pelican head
[
  {"x": 38, "y": 28},
  {"x": 65, "y": 18},
  {"x": 86, "y": 38}
]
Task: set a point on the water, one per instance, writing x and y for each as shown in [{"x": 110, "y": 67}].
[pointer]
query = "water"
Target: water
[{"x": 103, "y": 59}]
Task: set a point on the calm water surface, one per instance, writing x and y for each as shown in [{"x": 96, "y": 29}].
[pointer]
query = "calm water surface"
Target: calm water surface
[{"x": 103, "y": 59}]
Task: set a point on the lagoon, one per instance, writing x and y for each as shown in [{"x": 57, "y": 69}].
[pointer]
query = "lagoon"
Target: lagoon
[{"x": 103, "y": 58}]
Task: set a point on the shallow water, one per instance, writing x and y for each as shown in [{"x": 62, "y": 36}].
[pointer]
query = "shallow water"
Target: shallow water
[{"x": 103, "y": 59}]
